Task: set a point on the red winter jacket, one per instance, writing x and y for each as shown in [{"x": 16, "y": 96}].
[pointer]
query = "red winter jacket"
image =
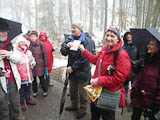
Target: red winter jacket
[
  {"x": 49, "y": 50},
  {"x": 111, "y": 82}
]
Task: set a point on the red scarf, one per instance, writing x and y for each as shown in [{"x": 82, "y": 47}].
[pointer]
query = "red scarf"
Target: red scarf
[
  {"x": 6, "y": 61},
  {"x": 25, "y": 50}
]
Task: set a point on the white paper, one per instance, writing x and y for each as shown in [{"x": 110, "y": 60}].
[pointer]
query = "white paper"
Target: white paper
[{"x": 75, "y": 45}]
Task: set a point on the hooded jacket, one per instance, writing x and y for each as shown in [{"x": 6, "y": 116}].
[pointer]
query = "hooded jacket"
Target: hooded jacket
[{"x": 49, "y": 49}]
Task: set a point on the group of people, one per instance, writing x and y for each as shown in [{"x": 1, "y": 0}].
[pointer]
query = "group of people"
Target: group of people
[
  {"x": 20, "y": 65},
  {"x": 31, "y": 57},
  {"x": 143, "y": 72}
]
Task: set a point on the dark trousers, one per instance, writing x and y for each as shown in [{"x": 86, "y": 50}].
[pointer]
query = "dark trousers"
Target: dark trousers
[
  {"x": 43, "y": 83},
  {"x": 96, "y": 113},
  {"x": 14, "y": 98},
  {"x": 25, "y": 92},
  {"x": 137, "y": 112},
  {"x": 77, "y": 94},
  {"x": 4, "y": 109}
]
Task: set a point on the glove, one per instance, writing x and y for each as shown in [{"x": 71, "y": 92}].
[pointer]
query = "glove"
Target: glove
[{"x": 46, "y": 72}]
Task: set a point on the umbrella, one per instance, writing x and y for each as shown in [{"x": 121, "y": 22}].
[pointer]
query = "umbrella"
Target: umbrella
[
  {"x": 63, "y": 98},
  {"x": 14, "y": 28},
  {"x": 141, "y": 38}
]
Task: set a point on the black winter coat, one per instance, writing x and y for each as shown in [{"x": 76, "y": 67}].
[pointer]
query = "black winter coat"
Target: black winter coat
[{"x": 80, "y": 65}]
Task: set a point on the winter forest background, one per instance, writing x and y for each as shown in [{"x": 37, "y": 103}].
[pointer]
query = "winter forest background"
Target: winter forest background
[{"x": 55, "y": 16}]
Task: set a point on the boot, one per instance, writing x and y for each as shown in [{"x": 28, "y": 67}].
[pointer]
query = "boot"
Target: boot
[
  {"x": 23, "y": 107},
  {"x": 30, "y": 102}
]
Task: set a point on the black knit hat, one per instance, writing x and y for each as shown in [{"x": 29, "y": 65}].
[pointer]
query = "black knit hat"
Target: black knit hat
[{"x": 3, "y": 25}]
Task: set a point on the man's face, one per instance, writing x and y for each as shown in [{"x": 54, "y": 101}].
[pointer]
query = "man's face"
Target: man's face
[
  {"x": 3, "y": 35},
  {"x": 76, "y": 31}
]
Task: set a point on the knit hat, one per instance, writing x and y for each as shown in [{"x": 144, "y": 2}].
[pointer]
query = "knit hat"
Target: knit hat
[
  {"x": 33, "y": 33},
  {"x": 115, "y": 30},
  {"x": 3, "y": 25},
  {"x": 78, "y": 25}
]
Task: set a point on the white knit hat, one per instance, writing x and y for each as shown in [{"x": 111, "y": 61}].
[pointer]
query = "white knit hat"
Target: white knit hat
[{"x": 20, "y": 39}]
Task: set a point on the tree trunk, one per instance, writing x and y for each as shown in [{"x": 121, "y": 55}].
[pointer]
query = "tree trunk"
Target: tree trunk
[
  {"x": 139, "y": 13},
  {"x": 70, "y": 10},
  {"x": 149, "y": 14},
  {"x": 113, "y": 12},
  {"x": 102, "y": 14},
  {"x": 97, "y": 13},
  {"x": 105, "y": 19},
  {"x": 36, "y": 14},
  {"x": 156, "y": 14},
  {"x": 91, "y": 17},
  {"x": 121, "y": 14}
]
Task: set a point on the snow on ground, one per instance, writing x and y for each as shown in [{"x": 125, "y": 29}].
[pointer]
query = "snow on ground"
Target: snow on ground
[{"x": 59, "y": 63}]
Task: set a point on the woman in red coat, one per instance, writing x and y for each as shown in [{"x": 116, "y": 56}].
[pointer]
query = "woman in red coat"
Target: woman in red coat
[
  {"x": 112, "y": 82},
  {"x": 49, "y": 49},
  {"x": 145, "y": 92}
]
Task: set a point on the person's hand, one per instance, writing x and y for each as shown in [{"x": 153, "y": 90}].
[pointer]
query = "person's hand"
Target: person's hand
[
  {"x": 70, "y": 44},
  {"x": 69, "y": 69},
  {"x": 94, "y": 82},
  {"x": 4, "y": 54},
  {"x": 6, "y": 73},
  {"x": 81, "y": 47}
]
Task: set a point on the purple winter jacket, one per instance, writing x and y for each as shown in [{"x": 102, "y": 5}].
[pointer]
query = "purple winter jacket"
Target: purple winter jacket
[
  {"x": 145, "y": 89},
  {"x": 41, "y": 58}
]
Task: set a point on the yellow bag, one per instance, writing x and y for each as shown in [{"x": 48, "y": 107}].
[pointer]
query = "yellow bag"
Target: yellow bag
[{"x": 93, "y": 92}]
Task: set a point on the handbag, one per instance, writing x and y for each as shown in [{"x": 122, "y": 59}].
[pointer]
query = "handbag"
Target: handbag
[{"x": 109, "y": 100}]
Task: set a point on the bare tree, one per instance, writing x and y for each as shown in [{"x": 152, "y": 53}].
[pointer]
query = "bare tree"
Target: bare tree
[
  {"x": 105, "y": 19},
  {"x": 102, "y": 14},
  {"x": 156, "y": 13},
  {"x": 139, "y": 12},
  {"x": 36, "y": 14},
  {"x": 113, "y": 12},
  {"x": 149, "y": 14},
  {"x": 91, "y": 17},
  {"x": 70, "y": 10}
]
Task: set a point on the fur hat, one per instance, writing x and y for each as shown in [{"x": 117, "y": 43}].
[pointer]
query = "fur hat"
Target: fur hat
[
  {"x": 78, "y": 25},
  {"x": 20, "y": 39},
  {"x": 3, "y": 25},
  {"x": 115, "y": 30},
  {"x": 33, "y": 33}
]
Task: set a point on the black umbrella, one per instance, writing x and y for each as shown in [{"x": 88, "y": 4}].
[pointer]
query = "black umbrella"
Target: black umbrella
[
  {"x": 14, "y": 28},
  {"x": 141, "y": 38},
  {"x": 63, "y": 98}
]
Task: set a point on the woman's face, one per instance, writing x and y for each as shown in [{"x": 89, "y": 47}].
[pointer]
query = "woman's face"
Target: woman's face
[
  {"x": 111, "y": 38},
  {"x": 33, "y": 38},
  {"x": 153, "y": 47},
  {"x": 129, "y": 38}
]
